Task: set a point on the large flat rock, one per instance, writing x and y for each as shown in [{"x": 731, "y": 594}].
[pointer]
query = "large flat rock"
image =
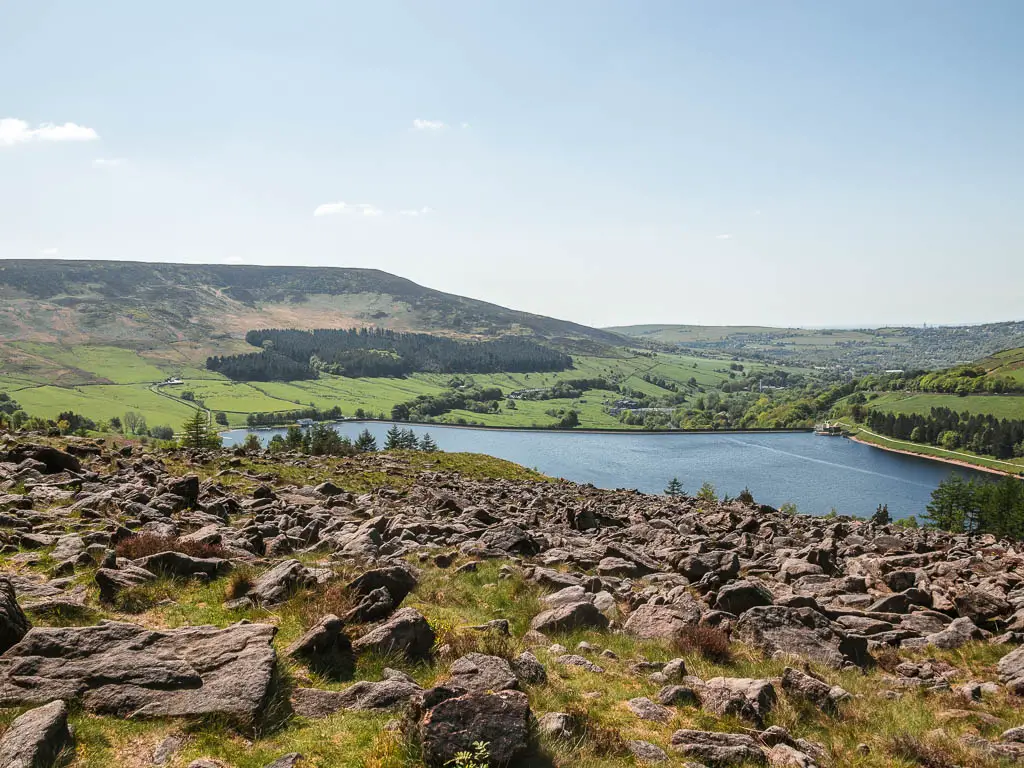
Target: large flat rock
[{"x": 129, "y": 671}]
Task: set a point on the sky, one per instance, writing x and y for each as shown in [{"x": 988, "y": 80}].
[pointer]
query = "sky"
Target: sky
[{"x": 798, "y": 163}]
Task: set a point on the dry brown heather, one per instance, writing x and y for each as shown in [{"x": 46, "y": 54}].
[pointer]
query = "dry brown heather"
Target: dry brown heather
[{"x": 390, "y": 610}]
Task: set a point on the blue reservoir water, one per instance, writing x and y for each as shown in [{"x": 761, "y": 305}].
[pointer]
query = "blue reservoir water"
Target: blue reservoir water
[{"x": 815, "y": 473}]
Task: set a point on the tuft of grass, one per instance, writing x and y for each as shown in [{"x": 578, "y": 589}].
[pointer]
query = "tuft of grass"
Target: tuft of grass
[
  {"x": 606, "y": 741},
  {"x": 710, "y": 643},
  {"x": 146, "y": 544},
  {"x": 462, "y": 641},
  {"x": 919, "y": 751},
  {"x": 239, "y": 583},
  {"x": 310, "y": 607}
]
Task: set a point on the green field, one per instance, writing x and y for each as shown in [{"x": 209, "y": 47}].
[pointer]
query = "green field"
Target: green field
[
  {"x": 1000, "y": 406},
  {"x": 104, "y": 381},
  {"x": 102, "y": 401}
]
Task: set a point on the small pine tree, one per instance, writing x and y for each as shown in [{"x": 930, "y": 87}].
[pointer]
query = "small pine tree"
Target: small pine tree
[
  {"x": 427, "y": 443},
  {"x": 409, "y": 441},
  {"x": 393, "y": 439},
  {"x": 881, "y": 516},
  {"x": 366, "y": 442},
  {"x": 674, "y": 487},
  {"x": 707, "y": 492},
  {"x": 196, "y": 433},
  {"x": 293, "y": 438}
]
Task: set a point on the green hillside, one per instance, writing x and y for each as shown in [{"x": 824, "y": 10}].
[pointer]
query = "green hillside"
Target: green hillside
[
  {"x": 1009, "y": 364},
  {"x": 976, "y": 416},
  {"x": 190, "y": 307},
  {"x": 102, "y": 339}
]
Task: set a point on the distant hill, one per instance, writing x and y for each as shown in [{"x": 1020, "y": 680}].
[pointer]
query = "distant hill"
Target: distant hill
[
  {"x": 864, "y": 350},
  {"x": 146, "y": 304},
  {"x": 1006, "y": 364}
]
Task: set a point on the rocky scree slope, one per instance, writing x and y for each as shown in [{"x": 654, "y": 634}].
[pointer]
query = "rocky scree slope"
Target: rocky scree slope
[{"x": 425, "y": 611}]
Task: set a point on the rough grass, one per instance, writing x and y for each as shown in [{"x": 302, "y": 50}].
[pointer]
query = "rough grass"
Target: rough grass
[
  {"x": 903, "y": 731},
  {"x": 146, "y": 544},
  {"x": 356, "y": 474}
]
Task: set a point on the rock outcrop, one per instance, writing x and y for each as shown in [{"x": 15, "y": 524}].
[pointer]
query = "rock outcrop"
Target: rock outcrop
[{"x": 125, "y": 670}]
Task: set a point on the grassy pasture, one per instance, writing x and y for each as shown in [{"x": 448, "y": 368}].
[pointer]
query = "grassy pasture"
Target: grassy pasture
[
  {"x": 102, "y": 401},
  {"x": 115, "y": 364},
  {"x": 1000, "y": 406},
  {"x": 105, "y": 381}
]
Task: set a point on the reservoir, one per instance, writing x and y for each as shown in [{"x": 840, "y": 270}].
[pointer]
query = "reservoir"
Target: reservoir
[{"x": 816, "y": 473}]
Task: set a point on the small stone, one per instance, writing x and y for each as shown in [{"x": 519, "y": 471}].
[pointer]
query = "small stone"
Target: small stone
[
  {"x": 528, "y": 669},
  {"x": 559, "y": 725},
  {"x": 286, "y": 761},
  {"x": 167, "y": 748},
  {"x": 678, "y": 696},
  {"x": 573, "y": 660},
  {"x": 646, "y": 709},
  {"x": 645, "y": 752}
]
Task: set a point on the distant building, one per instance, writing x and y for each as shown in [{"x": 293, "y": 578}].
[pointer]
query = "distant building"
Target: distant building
[{"x": 305, "y": 422}]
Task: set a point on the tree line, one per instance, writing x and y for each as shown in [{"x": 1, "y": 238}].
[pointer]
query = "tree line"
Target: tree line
[
  {"x": 979, "y": 506},
  {"x": 943, "y": 427},
  {"x": 959, "y": 380},
  {"x": 378, "y": 352},
  {"x": 262, "y": 419},
  {"x": 261, "y": 366},
  {"x": 425, "y": 407}
]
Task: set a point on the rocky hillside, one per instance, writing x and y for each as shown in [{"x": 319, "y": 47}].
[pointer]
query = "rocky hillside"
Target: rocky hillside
[
  {"x": 224, "y": 609},
  {"x": 140, "y": 304}
]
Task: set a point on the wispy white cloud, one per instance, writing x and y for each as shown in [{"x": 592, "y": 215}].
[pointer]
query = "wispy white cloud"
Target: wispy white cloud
[
  {"x": 108, "y": 162},
  {"x": 420, "y": 124},
  {"x": 723, "y": 237},
  {"x": 234, "y": 260},
  {"x": 465, "y": 125},
  {"x": 49, "y": 252},
  {"x": 416, "y": 211},
  {"x": 347, "y": 209},
  {"x": 14, "y": 131}
]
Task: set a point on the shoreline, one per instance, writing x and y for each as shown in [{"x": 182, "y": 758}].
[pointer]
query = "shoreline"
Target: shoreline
[
  {"x": 954, "y": 462},
  {"x": 547, "y": 430}
]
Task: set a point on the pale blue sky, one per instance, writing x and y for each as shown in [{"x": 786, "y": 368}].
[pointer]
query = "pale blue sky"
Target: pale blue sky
[{"x": 786, "y": 163}]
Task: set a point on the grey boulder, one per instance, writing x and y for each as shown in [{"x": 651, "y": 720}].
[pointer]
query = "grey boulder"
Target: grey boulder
[
  {"x": 398, "y": 580},
  {"x": 326, "y": 648},
  {"x": 113, "y": 581},
  {"x": 128, "y": 671},
  {"x": 479, "y": 672},
  {"x": 1011, "y": 671},
  {"x": 13, "y": 622},
  {"x": 651, "y": 622},
  {"x": 501, "y": 720},
  {"x": 37, "y": 738},
  {"x": 564, "y": 618},
  {"x": 718, "y": 750},
  {"x": 363, "y": 696},
  {"x": 803, "y": 632},
  {"x": 740, "y": 696},
  {"x": 407, "y": 631}
]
